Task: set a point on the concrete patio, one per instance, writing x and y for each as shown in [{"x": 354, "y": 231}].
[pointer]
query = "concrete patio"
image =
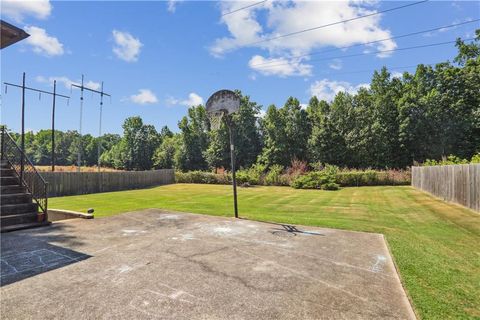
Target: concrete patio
[{"x": 166, "y": 265}]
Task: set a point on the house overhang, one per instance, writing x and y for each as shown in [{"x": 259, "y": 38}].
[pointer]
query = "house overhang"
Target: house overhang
[{"x": 11, "y": 34}]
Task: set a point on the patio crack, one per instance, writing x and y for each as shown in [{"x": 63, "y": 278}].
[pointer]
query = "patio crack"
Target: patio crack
[{"x": 207, "y": 268}]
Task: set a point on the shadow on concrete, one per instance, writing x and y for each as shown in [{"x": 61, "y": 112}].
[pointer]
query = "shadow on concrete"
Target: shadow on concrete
[
  {"x": 287, "y": 228},
  {"x": 27, "y": 253}
]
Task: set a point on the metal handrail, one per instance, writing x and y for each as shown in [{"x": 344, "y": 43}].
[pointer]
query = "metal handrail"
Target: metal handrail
[{"x": 25, "y": 170}]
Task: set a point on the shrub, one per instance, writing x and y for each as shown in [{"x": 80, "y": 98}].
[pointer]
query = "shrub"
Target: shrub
[
  {"x": 356, "y": 178},
  {"x": 296, "y": 169},
  {"x": 325, "y": 179},
  {"x": 243, "y": 177},
  {"x": 273, "y": 176},
  {"x": 202, "y": 177},
  {"x": 253, "y": 176},
  {"x": 329, "y": 178},
  {"x": 451, "y": 159},
  {"x": 475, "y": 158},
  {"x": 317, "y": 166}
]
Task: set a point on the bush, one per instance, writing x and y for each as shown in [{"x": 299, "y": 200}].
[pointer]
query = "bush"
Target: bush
[
  {"x": 356, "y": 178},
  {"x": 273, "y": 176},
  {"x": 475, "y": 158},
  {"x": 253, "y": 176},
  {"x": 451, "y": 159},
  {"x": 325, "y": 179},
  {"x": 202, "y": 177},
  {"x": 296, "y": 169},
  {"x": 329, "y": 178}
]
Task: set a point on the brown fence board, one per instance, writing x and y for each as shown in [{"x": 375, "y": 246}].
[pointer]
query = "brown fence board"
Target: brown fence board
[
  {"x": 72, "y": 183},
  {"x": 454, "y": 183}
]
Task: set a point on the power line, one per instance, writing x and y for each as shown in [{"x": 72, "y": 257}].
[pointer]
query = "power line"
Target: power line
[
  {"x": 375, "y": 52},
  {"x": 388, "y": 68},
  {"x": 243, "y": 8},
  {"x": 375, "y": 41},
  {"x": 338, "y": 22}
]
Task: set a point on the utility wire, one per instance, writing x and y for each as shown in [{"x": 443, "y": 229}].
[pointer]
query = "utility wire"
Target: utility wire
[
  {"x": 372, "y": 42},
  {"x": 243, "y": 8},
  {"x": 388, "y": 68},
  {"x": 367, "y": 53},
  {"x": 338, "y": 22}
]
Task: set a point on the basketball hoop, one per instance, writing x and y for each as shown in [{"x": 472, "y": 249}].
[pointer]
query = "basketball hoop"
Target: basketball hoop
[
  {"x": 220, "y": 106},
  {"x": 216, "y": 119}
]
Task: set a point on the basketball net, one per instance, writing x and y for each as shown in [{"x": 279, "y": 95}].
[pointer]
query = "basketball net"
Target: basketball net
[{"x": 216, "y": 119}]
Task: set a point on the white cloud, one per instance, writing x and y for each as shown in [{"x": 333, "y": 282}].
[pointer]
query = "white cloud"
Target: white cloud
[
  {"x": 127, "y": 47},
  {"x": 145, "y": 96},
  {"x": 262, "y": 113},
  {"x": 327, "y": 89},
  {"x": 192, "y": 100},
  {"x": 397, "y": 75},
  {"x": 60, "y": 79},
  {"x": 67, "y": 82},
  {"x": 281, "y": 67},
  {"x": 42, "y": 43},
  {"x": 172, "y": 5},
  {"x": 18, "y": 9},
  {"x": 246, "y": 29},
  {"x": 93, "y": 85},
  {"x": 336, "y": 64}
]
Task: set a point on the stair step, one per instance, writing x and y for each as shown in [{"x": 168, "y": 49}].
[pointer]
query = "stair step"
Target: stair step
[
  {"x": 15, "y": 198},
  {"x": 25, "y": 226},
  {"x": 12, "y": 189},
  {"x": 15, "y": 219},
  {"x": 10, "y": 209},
  {"x": 7, "y": 181},
  {"x": 7, "y": 172}
]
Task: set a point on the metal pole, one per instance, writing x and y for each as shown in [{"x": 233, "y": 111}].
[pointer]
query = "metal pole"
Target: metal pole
[
  {"x": 100, "y": 130},
  {"x": 79, "y": 156},
  {"x": 234, "y": 180},
  {"x": 23, "y": 131},
  {"x": 3, "y": 143},
  {"x": 53, "y": 124}
]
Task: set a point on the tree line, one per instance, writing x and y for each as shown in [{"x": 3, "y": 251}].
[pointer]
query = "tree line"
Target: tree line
[{"x": 394, "y": 123}]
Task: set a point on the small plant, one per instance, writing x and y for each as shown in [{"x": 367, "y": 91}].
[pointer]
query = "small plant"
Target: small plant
[
  {"x": 273, "y": 176},
  {"x": 451, "y": 159},
  {"x": 475, "y": 158}
]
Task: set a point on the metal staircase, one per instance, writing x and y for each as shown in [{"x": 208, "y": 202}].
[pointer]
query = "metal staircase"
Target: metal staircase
[{"x": 23, "y": 191}]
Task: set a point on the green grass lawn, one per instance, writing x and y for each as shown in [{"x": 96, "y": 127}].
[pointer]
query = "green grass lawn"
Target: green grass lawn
[{"x": 436, "y": 245}]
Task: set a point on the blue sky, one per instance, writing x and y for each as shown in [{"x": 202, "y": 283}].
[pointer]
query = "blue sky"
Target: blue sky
[{"x": 157, "y": 58}]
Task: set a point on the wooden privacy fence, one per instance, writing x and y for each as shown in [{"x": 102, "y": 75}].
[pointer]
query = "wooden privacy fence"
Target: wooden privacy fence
[
  {"x": 455, "y": 183},
  {"x": 71, "y": 183}
]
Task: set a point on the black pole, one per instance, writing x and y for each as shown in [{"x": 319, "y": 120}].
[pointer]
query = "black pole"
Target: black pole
[
  {"x": 53, "y": 124},
  {"x": 79, "y": 155},
  {"x": 232, "y": 156},
  {"x": 99, "y": 142},
  {"x": 23, "y": 130}
]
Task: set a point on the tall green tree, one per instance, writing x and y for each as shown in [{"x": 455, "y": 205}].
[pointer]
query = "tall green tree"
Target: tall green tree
[
  {"x": 286, "y": 132},
  {"x": 194, "y": 140}
]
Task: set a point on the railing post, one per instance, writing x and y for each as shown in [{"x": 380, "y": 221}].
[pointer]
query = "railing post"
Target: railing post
[
  {"x": 2, "y": 141},
  {"x": 46, "y": 201},
  {"x": 22, "y": 160}
]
